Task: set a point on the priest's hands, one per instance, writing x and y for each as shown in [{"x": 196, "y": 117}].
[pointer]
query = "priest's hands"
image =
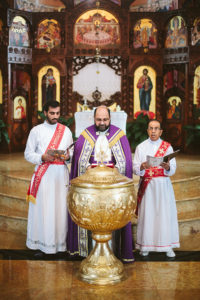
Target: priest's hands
[
  {"x": 47, "y": 158},
  {"x": 165, "y": 165},
  {"x": 65, "y": 156},
  {"x": 144, "y": 166}
]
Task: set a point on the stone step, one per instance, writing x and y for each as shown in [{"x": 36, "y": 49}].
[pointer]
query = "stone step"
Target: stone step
[
  {"x": 10, "y": 204},
  {"x": 13, "y": 182},
  {"x": 189, "y": 230},
  {"x": 12, "y": 240},
  {"x": 188, "y": 208},
  {"x": 16, "y": 224},
  {"x": 187, "y": 188}
]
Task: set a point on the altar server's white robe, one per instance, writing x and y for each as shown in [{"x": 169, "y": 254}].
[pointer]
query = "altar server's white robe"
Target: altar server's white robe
[
  {"x": 157, "y": 227},
  {"x": 47, "y": 219}
]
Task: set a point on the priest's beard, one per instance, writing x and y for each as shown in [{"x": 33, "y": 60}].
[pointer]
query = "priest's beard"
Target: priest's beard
[
  {"x": 102, "y": 128},
  {"x": 51, "y": 121}
]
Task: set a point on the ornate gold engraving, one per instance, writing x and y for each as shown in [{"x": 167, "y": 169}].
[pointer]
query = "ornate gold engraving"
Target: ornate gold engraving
[{"x": 101, "y": 200}]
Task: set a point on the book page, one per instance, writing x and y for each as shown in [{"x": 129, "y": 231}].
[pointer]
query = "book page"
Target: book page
[{"x": 154, "y": 161}]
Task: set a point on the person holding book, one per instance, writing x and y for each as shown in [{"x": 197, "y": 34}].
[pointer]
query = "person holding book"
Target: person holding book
[
  {"x": 157, "y": 227},
  {"x": 47, "y": 216},
  {"x": 101, "y": 142}
]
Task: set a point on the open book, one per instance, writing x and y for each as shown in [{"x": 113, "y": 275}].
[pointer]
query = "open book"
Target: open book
[
  {"x": 59, "y": 153},
  {"x": 156, "y": 161}
]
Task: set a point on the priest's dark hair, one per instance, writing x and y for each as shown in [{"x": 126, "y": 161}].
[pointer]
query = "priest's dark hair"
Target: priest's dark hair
[
  {"x": 98, "y": 107},
  {"x": 151, "y": 120},
  {"x": 51, "y": 103}
]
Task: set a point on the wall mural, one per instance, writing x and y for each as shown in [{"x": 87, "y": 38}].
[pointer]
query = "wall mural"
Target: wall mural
[
  {"x": 19, "y": 108},
  {"x": 19, "y": 33},
  {"x": 174, "y": 108},
  {"x": 176, "y": 33},
  {"x": 21, "y": 80},
  {"x": 39, "y": 5},
  {"x": 196, "y": 100},
  {"x": 174, "y": 79},
  {"x": 96, "y": 28},
  {"x": 48, "y": 85},
  {"x": 154, "y": 5},
  {"x": 195, "y": 38},
  {"x": 76, "y": 2},
  {"x": 48, "y": 35},
  {"x": 144, "y": 91},
  {"x": 145, "y": 34}
]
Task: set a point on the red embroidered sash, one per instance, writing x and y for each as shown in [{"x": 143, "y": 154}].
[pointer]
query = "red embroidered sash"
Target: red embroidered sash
[
  {"x": 150, "y": 173},
  {"x": 54, "y": 143}
]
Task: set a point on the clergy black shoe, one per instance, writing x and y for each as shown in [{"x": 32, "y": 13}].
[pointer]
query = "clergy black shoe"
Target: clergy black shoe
[{"x": 39, "y": 255}]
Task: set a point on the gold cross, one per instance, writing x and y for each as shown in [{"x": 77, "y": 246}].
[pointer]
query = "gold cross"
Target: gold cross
[
  {"x": 151, "y": 172},
  {"x": 161, "y": 151}
]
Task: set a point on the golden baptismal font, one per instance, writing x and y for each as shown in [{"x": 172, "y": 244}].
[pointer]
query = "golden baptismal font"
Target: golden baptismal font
[{"x": 101, "y": 200}]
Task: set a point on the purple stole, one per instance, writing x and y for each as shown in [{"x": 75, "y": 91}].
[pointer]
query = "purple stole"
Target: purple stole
[{"x": 82, "y": 156}]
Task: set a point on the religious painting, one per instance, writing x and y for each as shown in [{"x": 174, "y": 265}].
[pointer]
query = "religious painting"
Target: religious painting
[
  {"x": 153, "y": 5},
  {"x": 176, "y": 33},
  {"x": 76, "y": 2},
  {"x": 39, "y": 5},
  {"x": 19, "y": 33},
  {"x": 48, "y": 34},
  {"x": 21, "y": 80},
  {"x": 174, "y": 79},
  {"x": 174, "y": 106},
  {"x": 97, "y": 29},
  {"x": 1, "y": 88},
  {"x": 145, "y": 34},
  {"x": 48, "y": 85},
  {"x": 19, "y": 108},
  {"x": 144, "y": 91},
  {"x": 196, "y": 100},
  {"x": 196, "y": 33}
]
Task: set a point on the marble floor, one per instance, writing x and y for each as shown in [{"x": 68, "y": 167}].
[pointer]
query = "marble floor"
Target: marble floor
[{"x": 28, "y": 279}]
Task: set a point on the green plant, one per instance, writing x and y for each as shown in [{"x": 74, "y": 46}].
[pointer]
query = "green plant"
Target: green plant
[
  {"x": 193, "y": 134},
  {"x": 3, "y": 128},
  {"x": 136, "y": 130},
  {"x": 4, "y": 132}
]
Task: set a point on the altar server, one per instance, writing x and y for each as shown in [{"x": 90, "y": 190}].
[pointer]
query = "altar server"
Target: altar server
[{"x": 47, "y": 216}]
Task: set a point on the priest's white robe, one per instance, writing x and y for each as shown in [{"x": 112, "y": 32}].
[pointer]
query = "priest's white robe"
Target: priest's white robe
[
  {"x": 157, "y": 227},
  {"x": 47, "y": 218}
]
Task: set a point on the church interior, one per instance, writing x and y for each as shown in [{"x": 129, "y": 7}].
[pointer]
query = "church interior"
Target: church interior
[{"x": 85, "y": 53}]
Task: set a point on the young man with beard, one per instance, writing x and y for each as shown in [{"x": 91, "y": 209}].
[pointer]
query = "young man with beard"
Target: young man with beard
[
  {"x": 106, "y": 137},
  {"x": 47, "y": 216}
]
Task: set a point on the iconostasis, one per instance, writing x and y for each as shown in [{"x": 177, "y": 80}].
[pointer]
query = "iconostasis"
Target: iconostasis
[{"x": 121, "y": 54}]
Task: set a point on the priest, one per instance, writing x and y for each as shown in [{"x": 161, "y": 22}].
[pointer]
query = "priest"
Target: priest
[
  {"x": 157, "y": 227},
  {"x": 98, "y": 138}
]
